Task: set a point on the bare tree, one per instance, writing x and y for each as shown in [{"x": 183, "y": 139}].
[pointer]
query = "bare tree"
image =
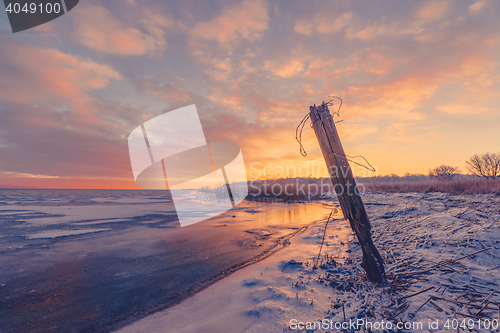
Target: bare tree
[
  {"x": 486, "y": 165},
  {"x": 493, "y": 164},
  {"x": 444, "y": 172}
]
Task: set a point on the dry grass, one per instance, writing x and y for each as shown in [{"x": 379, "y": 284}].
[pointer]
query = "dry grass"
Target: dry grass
[
  {"x": 456, "y": 186},
  {"x": 302, "y": 189}
]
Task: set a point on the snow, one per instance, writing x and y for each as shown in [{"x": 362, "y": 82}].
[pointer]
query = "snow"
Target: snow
[
  {"x": 441, "y": 254},
  {"x": 62, "y": 233}
]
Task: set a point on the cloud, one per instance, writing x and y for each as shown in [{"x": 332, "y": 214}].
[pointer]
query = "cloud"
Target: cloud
[
  {"x": 400, "y": 98},
  {"x": 477, "y": 69},
  {"x": 327, "y": 69},
  {"x": 465, "y": 106},
  {"x": 477, "y": 7},
  {"x": 366, "y": 60},
  {"x": 373, "y": 62},
  {"x": 304, "y": 27},
  {"x": 383, "y": 28},
  {"x": 98, "y": 29},
  {"x": 26, "y": 180},
  {"x": 401, "y": 132},
  {"x": 277, "y": 111},
  {"x": 43, "y": 141},
  {"x": 466, "y": 85},
  {"x": 292, "y": 68},
  {"x": 37, "y": 74},
  {"x": 475, "y": 90},
  {"x": 169, "y": 92},
  {"x": 408, "y": 24},
  {"x": 220, "y": 69},
  {"x": 246, "y": 20},
  {"x": 233, "y": 101},
  {"x": 356, "y": 131},
  {"x": 434, "y": 10},
  {"x": 323, "y": 23},
  {"x": 26, "y": 175}
]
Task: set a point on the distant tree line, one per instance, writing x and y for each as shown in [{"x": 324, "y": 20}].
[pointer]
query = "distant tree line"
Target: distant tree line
[{"x": 485, "y": 165}]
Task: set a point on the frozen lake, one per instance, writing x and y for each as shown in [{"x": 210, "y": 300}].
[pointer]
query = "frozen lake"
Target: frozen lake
[{"x": 94, "y": 260}]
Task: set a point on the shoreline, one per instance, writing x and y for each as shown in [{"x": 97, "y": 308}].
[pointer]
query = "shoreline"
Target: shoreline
[
  {"x": 221, "y": 296},
  {"x": 281, "y": 243},
  {"x": 425, "y": 241}
]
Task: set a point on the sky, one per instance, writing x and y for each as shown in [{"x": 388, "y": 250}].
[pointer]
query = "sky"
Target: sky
[{"x": 420, "y": 82}]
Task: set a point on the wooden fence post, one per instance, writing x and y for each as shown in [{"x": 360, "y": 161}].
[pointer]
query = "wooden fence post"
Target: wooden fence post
[{"x": 346, "y": 189}]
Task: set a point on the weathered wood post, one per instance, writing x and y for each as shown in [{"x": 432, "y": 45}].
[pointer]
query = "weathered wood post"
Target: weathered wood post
[{"x": 346, "y": 189}]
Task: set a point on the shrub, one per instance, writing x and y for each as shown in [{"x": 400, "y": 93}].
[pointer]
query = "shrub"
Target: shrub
[{"x": 444, "y": 172}]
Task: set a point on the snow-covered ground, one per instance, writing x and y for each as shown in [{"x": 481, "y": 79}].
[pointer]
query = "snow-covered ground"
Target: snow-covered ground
[{"x": 442, "y": 257}]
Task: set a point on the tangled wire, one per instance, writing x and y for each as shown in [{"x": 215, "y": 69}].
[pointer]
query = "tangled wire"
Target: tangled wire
[{"x": 300, "y": 128}]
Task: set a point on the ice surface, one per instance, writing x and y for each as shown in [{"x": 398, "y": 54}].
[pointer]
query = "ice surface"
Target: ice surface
[
  {"x": 89, "y": 258},
  {"x": 62, "y": 233},
  {"x": 114, "y": 208}
]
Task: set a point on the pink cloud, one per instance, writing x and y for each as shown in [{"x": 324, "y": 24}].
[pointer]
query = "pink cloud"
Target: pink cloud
[
  {"x": 465, "y": 86},
  {"x": 292, "y": 68},
  {"x": 220, "y": 69},
  {"x": 277, "y": 111},
  {"x": 373, "y": 62},
  {"x": 477, "y": 92},
  {"x": 232, "y": 98},
  {"x": 304, "y": 27},
  {"x": 50, "y": 75},
  {"x": 97, "y": 28},
  {"x": 245, "y": 20},
  {"x": 477, "y": 7},
  {"x": 329, "y": 72},
  {"x": 399, "y": 97},
  {"x": 323, "y": 23},
  {"x": 434, "y": 10},
  {"x": 232, "y": 101},
  {"x": 366, "y": 60},
  {"x": 383, "y": 28}
]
